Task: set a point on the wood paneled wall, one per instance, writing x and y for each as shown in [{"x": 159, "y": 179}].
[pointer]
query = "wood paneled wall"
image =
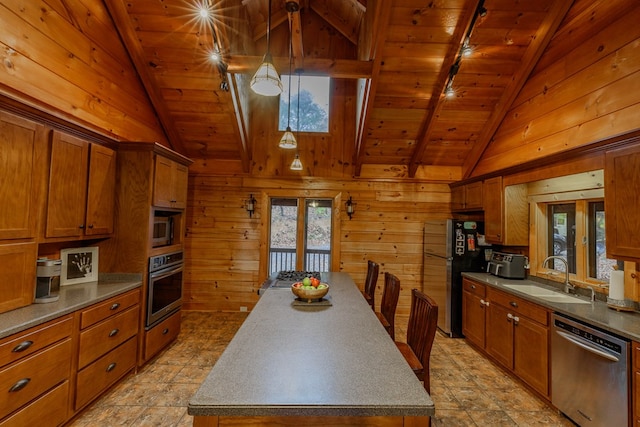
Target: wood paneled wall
[
  {"x": 223, "y": 243},
  {"x": 584, "y": 89},
  {"x": 65, "y": 57}
]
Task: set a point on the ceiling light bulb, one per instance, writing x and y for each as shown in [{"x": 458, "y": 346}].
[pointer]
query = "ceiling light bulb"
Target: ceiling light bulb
[
  {"x": 215, "y": 56},
  {"x": 467, "y": 51},
  {"x": 203, "y": 12},
  {"x": 296, "y": 165},
  {"x": 449, "y": 92},
  {"x": 288, "y": 141}
]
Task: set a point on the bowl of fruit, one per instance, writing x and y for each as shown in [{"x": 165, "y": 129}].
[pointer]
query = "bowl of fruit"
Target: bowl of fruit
[{"x": 309, "y": 289}]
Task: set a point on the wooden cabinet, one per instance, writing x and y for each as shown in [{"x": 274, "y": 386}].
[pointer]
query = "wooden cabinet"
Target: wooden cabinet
[
  {"x": 621, "y": 203},
  {"x": 107, "y": 346},
  {"x": 18, "y": 152},
  {"x": 170, "y": 184},
  {"x": 17, "y": 275},
  {"x": 517, "y": 337},
  {"x": 506, "y": 213},
  {"x": 35, "y": 367},
  {"x": 82, "y": 181},
  {"x": 473, "y": 312},
  {"x": 161, "y": 335},
  {"x": 467, "y": 197}
]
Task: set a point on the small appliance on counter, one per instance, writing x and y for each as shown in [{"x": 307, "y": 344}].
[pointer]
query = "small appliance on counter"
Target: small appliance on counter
[
  {"x": 48, "y": 280},
  {"x": 508, "y": 266}
]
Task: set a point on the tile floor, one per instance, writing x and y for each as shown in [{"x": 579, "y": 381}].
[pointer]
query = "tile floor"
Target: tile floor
[{"x": 467, "y": 389}]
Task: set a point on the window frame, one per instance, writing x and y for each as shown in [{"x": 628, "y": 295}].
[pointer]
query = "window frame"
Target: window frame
[{"x": 293, "y": 111}]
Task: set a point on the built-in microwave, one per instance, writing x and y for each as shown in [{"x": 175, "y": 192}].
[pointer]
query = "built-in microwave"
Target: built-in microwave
[{"x": 162, "y": 230}]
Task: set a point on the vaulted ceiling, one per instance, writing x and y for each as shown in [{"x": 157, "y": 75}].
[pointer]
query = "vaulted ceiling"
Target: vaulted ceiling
[{"x": 402, "y": 53}]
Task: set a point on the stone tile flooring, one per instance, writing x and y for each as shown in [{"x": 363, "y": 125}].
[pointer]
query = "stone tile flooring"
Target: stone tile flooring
[{"x": 467, "y": 389}]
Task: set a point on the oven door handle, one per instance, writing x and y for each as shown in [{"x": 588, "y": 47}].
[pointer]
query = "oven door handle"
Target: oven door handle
[
  {"x": 586, "y": 346},
  {"x": 165, "y": 273}
]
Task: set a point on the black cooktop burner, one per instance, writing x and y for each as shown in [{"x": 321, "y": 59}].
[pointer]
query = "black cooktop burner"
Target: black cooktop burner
[{"x": 297, "y": 275}]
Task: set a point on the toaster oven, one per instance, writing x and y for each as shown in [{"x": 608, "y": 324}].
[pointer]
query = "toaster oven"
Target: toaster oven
[{"x": 508, "y": 266}]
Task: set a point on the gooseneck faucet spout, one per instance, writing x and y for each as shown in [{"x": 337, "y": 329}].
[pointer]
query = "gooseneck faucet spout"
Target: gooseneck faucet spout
[{"x": 567, "y": 286}]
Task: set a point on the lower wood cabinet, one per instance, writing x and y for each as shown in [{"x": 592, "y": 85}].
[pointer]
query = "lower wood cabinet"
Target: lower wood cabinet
[
  {"x": 48, "y": 410},
  {"x": 635, "y": 355},
  {"x": 513, "y": 332},
  {"x": 161, "y": 335}
]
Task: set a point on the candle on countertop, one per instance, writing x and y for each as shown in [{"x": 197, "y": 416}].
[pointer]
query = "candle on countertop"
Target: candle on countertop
[{"x": 616, "y": 285}]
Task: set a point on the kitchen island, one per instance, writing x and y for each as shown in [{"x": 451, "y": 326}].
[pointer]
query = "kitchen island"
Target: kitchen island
[{"x": 312, "y": 364}]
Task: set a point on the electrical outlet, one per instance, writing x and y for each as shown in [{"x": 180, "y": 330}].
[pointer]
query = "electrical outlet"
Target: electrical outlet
[{"x": 243, "y": 308}]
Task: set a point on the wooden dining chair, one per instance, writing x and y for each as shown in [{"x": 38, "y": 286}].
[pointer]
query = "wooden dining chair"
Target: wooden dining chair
[
  {"x": 369, "y": 292},
  {"x": 421, "y": 332},
  {"x": 389, "y": 302}
]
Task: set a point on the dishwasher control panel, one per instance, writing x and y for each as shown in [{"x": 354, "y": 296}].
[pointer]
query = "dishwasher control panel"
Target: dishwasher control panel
[{"x": 603, "y": 342}]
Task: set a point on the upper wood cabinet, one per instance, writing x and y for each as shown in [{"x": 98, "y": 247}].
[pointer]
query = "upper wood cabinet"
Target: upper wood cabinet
[
  {"x": 467, "y": 197},
  {"x": 81, "y": 188},
  {"x": 18, "y": 159},
  {"x": 170, "y": 184},
  {"x": 506, "y": 213},
  {"x": 621, "y": 203}
]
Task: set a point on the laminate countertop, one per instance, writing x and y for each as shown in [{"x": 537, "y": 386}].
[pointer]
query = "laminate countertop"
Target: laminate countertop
[
  {"x": 312, "y": 360},
  {"x": 72, "y": 298},
  {"x": 598, "y": 313}
]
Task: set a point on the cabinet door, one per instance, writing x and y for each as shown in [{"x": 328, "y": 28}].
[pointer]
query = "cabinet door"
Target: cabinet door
[
  {"x": 499, "y": 343},
  {"x": 181, "y": 182},
  {"x": 473, "y": 196},
  {"x": 101, "y": 190},
  {"x": 67, "y": 186},
  {"x": 621, "y": 204},
  {"x": 162, "y": 182},
  {"x": 493, "y": 209},
  {"x": 17, "y": 275},
  {"x": 473, "y": 318},
  {"x": 531, "y": 354},
  {"x": 457, "y": 198},
  {"x": 18, "y": 138}
]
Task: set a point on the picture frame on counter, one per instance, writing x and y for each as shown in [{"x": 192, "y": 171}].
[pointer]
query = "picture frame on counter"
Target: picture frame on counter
[{"x": 79, "y": 265}]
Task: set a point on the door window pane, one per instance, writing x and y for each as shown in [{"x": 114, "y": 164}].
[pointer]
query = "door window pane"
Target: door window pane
[
  {"x": 562, "y": 235},
  {"x": 600, "y": 266},
  {"x": 282, "y": 243},
  {"x": 318, "y": 235}
]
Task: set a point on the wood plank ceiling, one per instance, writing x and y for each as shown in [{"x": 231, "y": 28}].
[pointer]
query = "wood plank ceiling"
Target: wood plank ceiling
[{"x": 403, "y": 55}]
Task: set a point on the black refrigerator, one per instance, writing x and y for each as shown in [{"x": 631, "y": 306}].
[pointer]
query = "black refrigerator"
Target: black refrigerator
[{"x": 450, "y": 247}]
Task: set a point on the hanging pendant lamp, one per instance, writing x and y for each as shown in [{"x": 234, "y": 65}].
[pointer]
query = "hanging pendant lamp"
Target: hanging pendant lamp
[
  {"x": 288, "y": 141},
  {"x": 266, "y": 80},
  {"x": 296, "y": 165}
]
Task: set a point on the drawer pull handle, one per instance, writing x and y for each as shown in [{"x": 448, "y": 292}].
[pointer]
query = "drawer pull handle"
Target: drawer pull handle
[
  {"x": 19, "y": 385},
  {"x": 115, "y": 306},
  {"x": 165, "y": 331},
  {"x": 473, "y": 286},
  {"x": 90, "y": 225},
  {"x": 22, "y": 346},
  {"x": 111, "y": 367},
  {"x": 513, "y": 304},
  {"x": 113, "y": 332}
]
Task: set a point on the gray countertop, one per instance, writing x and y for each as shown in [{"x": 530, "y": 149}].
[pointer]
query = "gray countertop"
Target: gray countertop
[
  {"x": 598, "y": 313},
  {"x": 72, "y": 298},
  {"x": 335, "y": 360}
]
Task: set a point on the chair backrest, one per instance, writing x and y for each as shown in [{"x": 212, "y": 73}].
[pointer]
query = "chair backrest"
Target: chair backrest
[
  {"x": 389, "y": 302},
  {"x": 373, "y": 271},
  {"x": 421, "y": 330}
]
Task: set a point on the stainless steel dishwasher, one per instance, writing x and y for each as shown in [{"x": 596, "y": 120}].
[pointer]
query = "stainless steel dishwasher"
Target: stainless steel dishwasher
[{"x": 589, "y": 373}]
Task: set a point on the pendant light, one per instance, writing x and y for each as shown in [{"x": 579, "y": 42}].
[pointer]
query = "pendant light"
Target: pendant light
[
  {"x": 288, "y": 141},
  {"x": 296, "y": 165},
  {"x": 266, "y": 80}
]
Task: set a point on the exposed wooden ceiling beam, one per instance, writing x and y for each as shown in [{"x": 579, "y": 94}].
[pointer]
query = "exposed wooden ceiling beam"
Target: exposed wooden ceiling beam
[
  {"x": 127, "y": 33},
  {"x": 336, "y": 68},
  {"x": 534, "y": 51}
]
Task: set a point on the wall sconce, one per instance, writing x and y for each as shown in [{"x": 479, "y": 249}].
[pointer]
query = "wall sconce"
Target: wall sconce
[
  {"x": 251, "y": 205},
  {"x": 350, "y": 206}
]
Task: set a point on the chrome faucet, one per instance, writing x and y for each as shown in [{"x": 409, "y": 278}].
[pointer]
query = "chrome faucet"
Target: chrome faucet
[{"x": 567, "y": 286}]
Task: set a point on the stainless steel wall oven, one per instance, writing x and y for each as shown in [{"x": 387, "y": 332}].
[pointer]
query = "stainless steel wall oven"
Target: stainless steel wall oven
[{"x": 165, "y": 286}]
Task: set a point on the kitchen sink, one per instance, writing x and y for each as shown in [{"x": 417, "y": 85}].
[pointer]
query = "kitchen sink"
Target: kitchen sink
[{"x": 547, "y": 294}]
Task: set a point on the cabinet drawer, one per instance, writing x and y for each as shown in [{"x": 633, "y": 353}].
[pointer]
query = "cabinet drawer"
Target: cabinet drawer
[
  {"x": 104, "y": 372},
  {"x": 477, "y": 289},
  {"x": 519, "y": 306},
  {"x": 28, "y": 378},
  {"x": 49, "y": 410},
  {"x": 161, "y": 335},
  {"x": 115, "y": 305},
  {"x": 101, "y": 338},
  {"x": 28, "y": 342}
]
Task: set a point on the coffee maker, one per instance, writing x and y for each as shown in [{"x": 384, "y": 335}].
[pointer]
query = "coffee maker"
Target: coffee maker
[{"x": 48, "y": 280}]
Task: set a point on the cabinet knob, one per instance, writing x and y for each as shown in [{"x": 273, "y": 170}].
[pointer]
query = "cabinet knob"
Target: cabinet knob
[
  {"x": 114, "y": 332},
  {"x": 111, "y": 367},
  {"x": 90, "y": 225},
  {"x": 516, "y": 319},
  {"x": 513, "y": 304},
  {"x": 165, "y": 331},
  {"x": 509, "y": 317},
  {"x": 19, "y": 385},
  {"x": 473, "y": 286},
  {"x": 115, "y": 306},
  {"x": 22, "y": 346},
  {"x": 81, "y": 226}
]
